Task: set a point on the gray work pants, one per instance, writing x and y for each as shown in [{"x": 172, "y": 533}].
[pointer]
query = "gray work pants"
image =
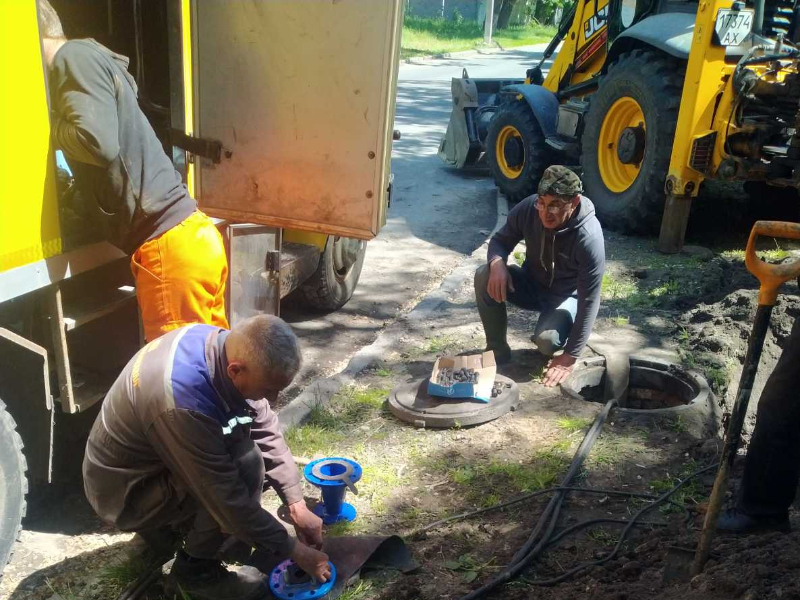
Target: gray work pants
[
  {"x": 555, "y": 321},
  {"x": 203, "y": 537}
]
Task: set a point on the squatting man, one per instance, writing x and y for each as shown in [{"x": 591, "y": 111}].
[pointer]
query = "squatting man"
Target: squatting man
[
  {"x": 186, "y": 442},
  {"x": 561, "y": 276}
]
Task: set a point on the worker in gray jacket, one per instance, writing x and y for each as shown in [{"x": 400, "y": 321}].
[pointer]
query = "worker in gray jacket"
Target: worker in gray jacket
[
  {"x": 561, "y": 276},
  {"x": 185, "y": 441}
]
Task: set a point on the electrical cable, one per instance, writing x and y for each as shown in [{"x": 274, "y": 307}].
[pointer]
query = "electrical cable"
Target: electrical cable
[
  {"x": 633, "y": 520},
  {"x": 535, "y": 545},
  {"x": 518, "y": 499},
  {"x": 551, "y": 513}
]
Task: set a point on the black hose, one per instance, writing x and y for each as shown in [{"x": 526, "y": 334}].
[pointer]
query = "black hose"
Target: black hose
[
  {"x": 551, "y": 512},
  {"x": 633, "y": 521},
  {"x": 518, "y": 499},
  {"x": 532, "y": 548}
]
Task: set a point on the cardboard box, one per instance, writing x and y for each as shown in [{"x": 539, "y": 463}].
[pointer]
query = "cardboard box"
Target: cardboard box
[{"x": 482, "y": 363}]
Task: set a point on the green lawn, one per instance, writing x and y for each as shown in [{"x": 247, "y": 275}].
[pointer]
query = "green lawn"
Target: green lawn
[{"x": 437, "y": 36}]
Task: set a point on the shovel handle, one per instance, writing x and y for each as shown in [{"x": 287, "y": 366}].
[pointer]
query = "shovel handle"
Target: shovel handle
[{"x": 771, "y": 276}]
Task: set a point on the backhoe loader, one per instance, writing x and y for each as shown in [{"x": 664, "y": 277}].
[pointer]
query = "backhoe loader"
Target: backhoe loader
[{"x": 647, "y": 98}]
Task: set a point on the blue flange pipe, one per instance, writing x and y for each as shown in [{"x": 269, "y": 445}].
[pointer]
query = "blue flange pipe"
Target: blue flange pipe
[{"x": 333, "y": 507}]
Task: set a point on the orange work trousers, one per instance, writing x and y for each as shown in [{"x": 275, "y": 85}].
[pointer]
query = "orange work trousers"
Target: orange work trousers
[{"x": 180, "y": 277}]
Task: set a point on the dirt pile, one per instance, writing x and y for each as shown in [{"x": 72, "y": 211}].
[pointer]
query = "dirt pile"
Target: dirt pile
[{"x": 713, "y": 335}]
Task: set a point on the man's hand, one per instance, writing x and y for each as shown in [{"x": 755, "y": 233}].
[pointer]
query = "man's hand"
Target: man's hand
[
  {"x": 307, "y": 525},
  {"x": 499, "y": 281},
  {"x": 558, "y": 370},
  {"x": 313, "y": 562}
]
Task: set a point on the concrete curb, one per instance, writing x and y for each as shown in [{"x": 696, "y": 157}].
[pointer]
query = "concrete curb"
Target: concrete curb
[
  {"x": 460, "y": 54},
  {"x": 320, "y": 391}
]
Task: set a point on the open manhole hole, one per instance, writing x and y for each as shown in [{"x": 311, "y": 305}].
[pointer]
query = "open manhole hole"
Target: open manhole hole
[{"x": 655, "y": 389}]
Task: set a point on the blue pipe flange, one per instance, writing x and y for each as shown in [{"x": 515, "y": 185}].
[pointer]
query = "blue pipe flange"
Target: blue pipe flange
[{"x": 289, "y": 582}]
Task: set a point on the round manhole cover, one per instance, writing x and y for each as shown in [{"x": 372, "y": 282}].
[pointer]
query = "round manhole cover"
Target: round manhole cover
[{"x": 411, "y": 402}]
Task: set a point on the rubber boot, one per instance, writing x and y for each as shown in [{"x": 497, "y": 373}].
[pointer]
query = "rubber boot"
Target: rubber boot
[
  {"x": 208, "y": 579},
  {"x": 495, "y": 326},
  {"x": 734, "y": 520}
]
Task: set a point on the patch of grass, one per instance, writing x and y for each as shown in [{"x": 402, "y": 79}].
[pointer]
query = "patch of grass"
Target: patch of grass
[
  {"x": 620, "y": 320},
  {"x": 617, "y": 288},
  {"x": 438, "y": 344},
  {"x": 338, "y": 529},
  {"x": 717, "y": 377},
  {"x": 123, "y": 572},
  {"x": 63, "y": 593},
  {"x": 573, "y": 424},
  {"x": 357, "y": 592},
  {"x": 602, "y": 536},
  {"x": 383, "y": 371},
  {"x": 468, "y": 566},
  {"x": 669, "y": 288},
  {"x": 519, "y": 257},
  {"x": 326, "y": 425},
  {"x": 612, "y": 448},
  {"x": 776, "y": 255},
  {"x": 425, "y": 36},
  {"x": 678, "y": 425},
  {"x": 691, "y": 492},
  {"x": 487, "y": 482}
]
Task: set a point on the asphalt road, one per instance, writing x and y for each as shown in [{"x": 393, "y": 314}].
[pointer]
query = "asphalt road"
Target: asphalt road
[{"x": 437, "y": 217}]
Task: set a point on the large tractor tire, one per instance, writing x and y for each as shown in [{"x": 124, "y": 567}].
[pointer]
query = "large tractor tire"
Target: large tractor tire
[
  {"x": 516, "y": 150},
  {"x": 336, "y": 277},
  {"x": 627, "y": 140},
  {"x": 13, "y": 485}
]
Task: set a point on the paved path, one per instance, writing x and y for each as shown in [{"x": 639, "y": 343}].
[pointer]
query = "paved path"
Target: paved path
[{"x": 438, "y": 215}]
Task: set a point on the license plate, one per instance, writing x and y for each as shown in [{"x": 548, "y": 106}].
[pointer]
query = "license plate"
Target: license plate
[{"x": 733, "y": 26}]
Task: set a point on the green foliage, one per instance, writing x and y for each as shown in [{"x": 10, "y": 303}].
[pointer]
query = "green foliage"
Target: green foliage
[
  {"x": 425, "y": 36},
  {"x": 691, "y": 492},
  {"x": 602, "y": 536},
  {"x": 468, "y": 566},
  {"x": 519, "y": 257},
  {"x": 573, "y": 424},
  {"x": 457, "y": 17},
  {"x": 357, "y": 592}
]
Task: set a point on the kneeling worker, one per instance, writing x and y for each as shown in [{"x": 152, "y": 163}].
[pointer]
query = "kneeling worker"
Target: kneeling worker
[
  {"x": 561, "y": 276},
  {"x": 186, "y": 441}
]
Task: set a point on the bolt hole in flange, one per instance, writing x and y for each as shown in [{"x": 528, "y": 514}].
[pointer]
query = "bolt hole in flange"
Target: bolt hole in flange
[{"x": 656, "y": 390}]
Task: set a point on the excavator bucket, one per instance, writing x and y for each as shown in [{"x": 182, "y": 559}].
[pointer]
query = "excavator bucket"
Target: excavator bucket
[{"x": 474, "y": 103}]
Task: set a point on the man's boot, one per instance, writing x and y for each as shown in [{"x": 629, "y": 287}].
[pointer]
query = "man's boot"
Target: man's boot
[
  {"x": 494, "y": 318},
  {"x": 495, "y": 324},
  {"x": 208, "y": 579},
  {"x": 734, "y": 520}
]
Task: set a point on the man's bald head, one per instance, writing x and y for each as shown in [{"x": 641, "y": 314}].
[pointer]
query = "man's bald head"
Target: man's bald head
[{"x": 263, "y": 356}]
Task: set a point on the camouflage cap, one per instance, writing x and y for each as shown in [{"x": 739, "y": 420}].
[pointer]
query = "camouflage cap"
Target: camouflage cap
[{"x": 559, "y": 180}]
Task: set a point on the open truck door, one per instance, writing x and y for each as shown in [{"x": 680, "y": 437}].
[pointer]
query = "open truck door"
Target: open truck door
[
  {"x": 293, "y": 105},
  {"x": 301, "y": 97}
]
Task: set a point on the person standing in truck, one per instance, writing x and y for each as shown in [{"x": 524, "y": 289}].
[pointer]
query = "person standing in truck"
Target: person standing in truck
[
  {"x": 561, "y": 276},
  {"x": 132, "y": 191}
]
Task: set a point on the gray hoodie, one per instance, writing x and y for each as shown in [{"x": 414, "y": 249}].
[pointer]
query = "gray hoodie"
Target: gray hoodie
[
  {"x": 131, "y": 186},
  {"x": 566, "y": 262}
]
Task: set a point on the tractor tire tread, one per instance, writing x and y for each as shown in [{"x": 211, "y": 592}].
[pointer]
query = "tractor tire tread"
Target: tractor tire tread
[
  {"x": 521, "y": 116},
  {"x": 641, "y": 210},
  {"x": 8, "y": 428}
]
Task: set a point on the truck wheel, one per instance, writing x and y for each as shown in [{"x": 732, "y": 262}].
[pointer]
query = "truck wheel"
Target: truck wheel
[
  {"x": 334, "y": 281},
  {"x": 515, "y": 149},
  {"x": 13, "y": 485},
  {"x": 627, "y": 140}
]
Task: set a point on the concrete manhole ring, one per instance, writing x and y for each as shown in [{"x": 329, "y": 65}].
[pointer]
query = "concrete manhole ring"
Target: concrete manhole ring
[
  {"x": 411, "y": 403},
  {"x": 656, "y": 389}
]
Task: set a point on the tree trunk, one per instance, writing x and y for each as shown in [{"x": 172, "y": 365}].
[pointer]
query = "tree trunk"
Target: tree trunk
[{"x": 505, "y": 13}]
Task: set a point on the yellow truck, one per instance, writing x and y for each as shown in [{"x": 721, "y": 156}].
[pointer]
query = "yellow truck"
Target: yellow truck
[
  {"x": 279, "y": 116},
  {"x": 647, "y": 98}
]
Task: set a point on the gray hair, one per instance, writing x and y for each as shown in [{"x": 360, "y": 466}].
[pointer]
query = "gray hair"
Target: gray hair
[
  {"x": 271, "y": 345},
  {"x": 49, "y": 23}
]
